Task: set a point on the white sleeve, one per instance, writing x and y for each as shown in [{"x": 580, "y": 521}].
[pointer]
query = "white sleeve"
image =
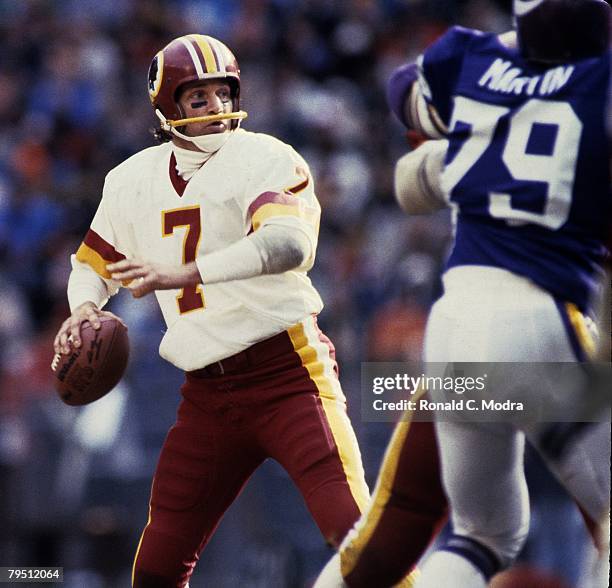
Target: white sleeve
[
  {"x": 282, "y": 248},
  {"x": 108, "y": 237},
  {"x": 421, "y": 115},
  {"x": 105, "y": 242},
  {"x": 85, "y": 285},
  {"x": 271, "y": 250},
  {"x": 284, "y": 195},
  {"x": 417, "y": 178}
]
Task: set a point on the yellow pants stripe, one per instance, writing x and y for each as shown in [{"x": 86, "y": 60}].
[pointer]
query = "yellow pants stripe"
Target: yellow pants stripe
[
  {"x": 357, "y": 540},
  {"x": 140, "y": 543},
  {"x": 578, "y": 322},
  {"x": 359, "y": 537},
  {"x": 315, "y": 358}
]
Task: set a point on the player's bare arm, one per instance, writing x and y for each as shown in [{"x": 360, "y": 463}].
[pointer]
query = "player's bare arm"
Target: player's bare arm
[{"x": 69, "y": 332}]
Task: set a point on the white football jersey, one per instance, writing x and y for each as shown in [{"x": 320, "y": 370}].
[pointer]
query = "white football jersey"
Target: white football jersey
[{"x": 147, "y": 211}]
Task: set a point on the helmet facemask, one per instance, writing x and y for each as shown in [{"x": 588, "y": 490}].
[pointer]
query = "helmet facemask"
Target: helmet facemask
[{"x": 189, "y": 59}]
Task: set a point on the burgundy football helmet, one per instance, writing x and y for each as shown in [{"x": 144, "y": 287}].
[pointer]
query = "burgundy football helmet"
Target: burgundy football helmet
[
  {"x": 191, "y": 58},
  {"x": 556, "y": 31}
]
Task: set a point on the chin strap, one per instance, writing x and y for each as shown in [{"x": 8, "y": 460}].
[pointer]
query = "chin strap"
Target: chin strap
[{"x": 168, "y": 125}]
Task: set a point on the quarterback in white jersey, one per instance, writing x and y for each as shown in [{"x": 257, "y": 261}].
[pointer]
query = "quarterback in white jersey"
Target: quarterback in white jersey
[
  {"x": 222, "y": 225},
  {"x": 149, "y": 212}
]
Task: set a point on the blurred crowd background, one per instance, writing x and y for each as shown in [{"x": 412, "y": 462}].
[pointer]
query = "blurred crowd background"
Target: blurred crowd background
[{"x": 74, "y": 483}]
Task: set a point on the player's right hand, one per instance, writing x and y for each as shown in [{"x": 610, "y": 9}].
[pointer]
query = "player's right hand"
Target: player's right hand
[{"x": 70, "y": 331}]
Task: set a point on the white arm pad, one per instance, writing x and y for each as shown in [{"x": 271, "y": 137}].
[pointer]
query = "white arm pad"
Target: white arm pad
[
  {"x": 272, "y": 249},
  {"x": 417, "y": 178},
  {"x": 85, "y": 285},
  {"x": 421, "y": 116}
]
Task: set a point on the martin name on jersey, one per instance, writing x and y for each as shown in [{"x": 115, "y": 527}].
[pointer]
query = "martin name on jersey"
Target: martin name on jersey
[
  {"x": 532, "y": 193},
  {"x": 149, "y": 212}
]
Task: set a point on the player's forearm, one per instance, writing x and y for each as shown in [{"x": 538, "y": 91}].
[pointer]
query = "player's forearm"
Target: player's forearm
[
  {"x": 272, "y": 249},
  {"x": 281, "y": 248},
  {"x": 84, "y": 285},
  {"x": 418, "y": 176}
]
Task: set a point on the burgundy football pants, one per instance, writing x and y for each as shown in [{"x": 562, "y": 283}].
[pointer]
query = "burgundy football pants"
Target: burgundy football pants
[
  {"x": 282, "y": 401},
  {"x": 408, "y": 508}
]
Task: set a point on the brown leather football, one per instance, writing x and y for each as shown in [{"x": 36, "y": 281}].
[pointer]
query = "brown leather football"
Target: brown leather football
[
  {"x": 526, "y": 576},
  {"x": 95, "y": 368}
]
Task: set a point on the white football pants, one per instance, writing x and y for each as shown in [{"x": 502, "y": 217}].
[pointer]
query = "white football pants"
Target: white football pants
[{"x": 491, "y": 315}]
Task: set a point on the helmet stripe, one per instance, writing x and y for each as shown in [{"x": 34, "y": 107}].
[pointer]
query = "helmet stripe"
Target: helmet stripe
[
  {"x": 217, "y": 48},
  {"x": 207, "y": 52},
  {"x": 194, "y": 57}
]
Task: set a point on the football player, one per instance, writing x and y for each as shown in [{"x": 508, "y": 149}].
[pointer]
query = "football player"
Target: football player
[
  {"x": 222, "y": 225},
  {"x": 527, "y": 171},
  {"x": 524, "y": 163}
]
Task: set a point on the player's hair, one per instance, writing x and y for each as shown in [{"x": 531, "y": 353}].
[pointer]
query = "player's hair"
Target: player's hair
[
  {"x": 557, "y": 31},
  {"x": 160, "y": 135}
]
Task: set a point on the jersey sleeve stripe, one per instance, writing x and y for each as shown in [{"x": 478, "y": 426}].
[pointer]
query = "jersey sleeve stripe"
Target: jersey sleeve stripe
[
  {"x": 92, "y": 258},
  {"x": 310, "y": 215},
  {"x": 299, "y": 187},
  {"x": 270, "y": 204},
  {"x": 268, "y": 211},
  {"x": 271, "y": 198},
  {"x": 103, "y": 247},
  {"x": 97, "y": 252}
]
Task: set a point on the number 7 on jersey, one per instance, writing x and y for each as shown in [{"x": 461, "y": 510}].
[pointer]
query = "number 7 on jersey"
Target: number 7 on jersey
[{"x": 191, "y": 297}]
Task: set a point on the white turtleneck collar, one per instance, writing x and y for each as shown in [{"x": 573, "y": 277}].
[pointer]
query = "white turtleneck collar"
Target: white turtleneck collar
[{"x": 188, "y": 162}]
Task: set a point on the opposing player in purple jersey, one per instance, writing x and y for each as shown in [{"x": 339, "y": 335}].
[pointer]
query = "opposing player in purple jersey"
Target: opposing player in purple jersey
[
  {"x": 523, "y": 160},
  {"x": 528, "y": 150},
  {"x": 527, "y": 172}
]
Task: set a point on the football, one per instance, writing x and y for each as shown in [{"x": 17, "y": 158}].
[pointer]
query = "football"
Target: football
[
  {"x": 94, "y": 369},
  {"x": 525, "y": 576}
]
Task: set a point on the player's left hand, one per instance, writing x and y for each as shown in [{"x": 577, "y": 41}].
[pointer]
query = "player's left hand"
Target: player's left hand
[{"x": 145, "y": 277}]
